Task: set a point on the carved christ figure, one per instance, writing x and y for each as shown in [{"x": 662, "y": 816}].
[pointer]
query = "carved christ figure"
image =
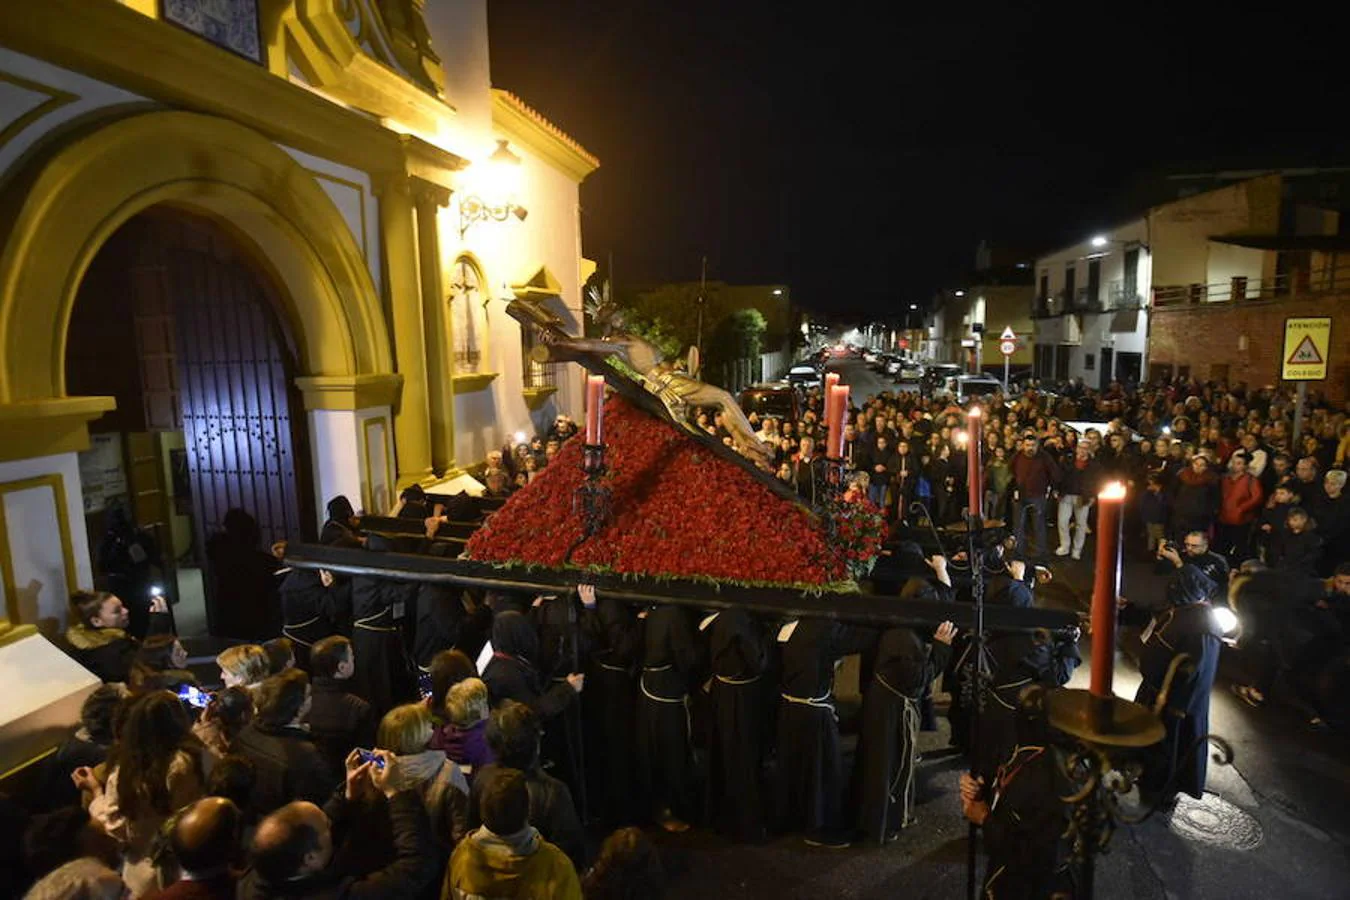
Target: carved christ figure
[{"x": 676, "y": 390}]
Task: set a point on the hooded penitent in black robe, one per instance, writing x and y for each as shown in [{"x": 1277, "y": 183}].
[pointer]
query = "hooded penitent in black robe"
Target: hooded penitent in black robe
[
  {"x": 512, "y": 673},
  {"x": 440, "y": 611},
  {"x": 672, "y": 659},
  {"x": 338, "y": 530},
  {"x": 739, "y": 724},
  {"x": 382, "y": 675},
  {"x": 561, "y": 650},
  {"x": 1185, "y": 626},
  {"x": 310, "y": 611},
  {"x": 904, "y": 666},
  {"x": 810, "y": 779},
  {"x": 609, "y": 709},
  {"x": 1026, "y": 819}
]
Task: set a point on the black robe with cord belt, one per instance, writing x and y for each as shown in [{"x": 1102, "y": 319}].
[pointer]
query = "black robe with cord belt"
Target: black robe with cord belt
[
  {"x": 739, "y": 657},
  {"x": 904, "y": 666},
  {"x": 614, "y": 634},
  {"x": 382, "y": 676},
  {"x": 310, "y": 611},
  {"x": 513, "y": 673},
  {"x": 672, "y": 661},
  {"x": 1182, "y": 758},
  {"x": 810, "y": 779},
  {"x": 562, "y": 647},
  {"x": 1025, "y": 822},
  {"x": 440, "y": 612}
]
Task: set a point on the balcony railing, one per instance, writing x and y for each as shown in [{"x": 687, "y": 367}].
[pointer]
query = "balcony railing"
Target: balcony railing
[{"x": 1238, "y": 289}]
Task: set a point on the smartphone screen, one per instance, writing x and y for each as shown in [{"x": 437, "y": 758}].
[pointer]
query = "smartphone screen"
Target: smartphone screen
[
  {"x": 424, "y": 684},
  {"x": 369, "y": 756},
  {"x": 194, "y": 696}
]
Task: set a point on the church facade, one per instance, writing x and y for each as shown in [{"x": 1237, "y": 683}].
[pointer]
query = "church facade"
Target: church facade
[{"x": 256, "y": 254}]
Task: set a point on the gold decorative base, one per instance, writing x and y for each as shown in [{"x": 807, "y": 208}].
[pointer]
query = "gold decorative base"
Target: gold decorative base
[{"x": 1105, "y": 721}]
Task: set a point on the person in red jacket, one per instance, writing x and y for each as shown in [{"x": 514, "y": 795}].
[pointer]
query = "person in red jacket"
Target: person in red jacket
[{"x": 1241, "y": 501}]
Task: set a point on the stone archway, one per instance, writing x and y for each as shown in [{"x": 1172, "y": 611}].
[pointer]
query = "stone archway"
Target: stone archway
[{"x": 80, "y": 194}]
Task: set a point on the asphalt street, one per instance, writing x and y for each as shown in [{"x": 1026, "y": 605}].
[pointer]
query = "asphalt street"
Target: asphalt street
[{"x": 1271, "y": 824}]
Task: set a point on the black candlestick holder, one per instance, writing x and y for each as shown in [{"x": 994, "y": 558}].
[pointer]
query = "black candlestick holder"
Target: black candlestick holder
[
  {"x": 836, "y": 475},
  {"x": 592, "y": 500}
]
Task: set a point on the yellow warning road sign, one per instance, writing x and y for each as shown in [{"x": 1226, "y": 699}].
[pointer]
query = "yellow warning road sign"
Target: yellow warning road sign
[{"x": 1307, "y": 346}]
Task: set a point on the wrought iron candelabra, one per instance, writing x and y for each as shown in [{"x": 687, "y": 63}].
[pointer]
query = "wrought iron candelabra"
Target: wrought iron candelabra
[{"x": 592, "y": 500}]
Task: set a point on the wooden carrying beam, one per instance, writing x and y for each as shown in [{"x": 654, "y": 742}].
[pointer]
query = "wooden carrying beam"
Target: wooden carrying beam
[{"x": 785, "y": 603}]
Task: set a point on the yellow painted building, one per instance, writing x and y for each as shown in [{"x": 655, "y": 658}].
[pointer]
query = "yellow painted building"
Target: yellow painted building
[{"x": 255, "y": 255}]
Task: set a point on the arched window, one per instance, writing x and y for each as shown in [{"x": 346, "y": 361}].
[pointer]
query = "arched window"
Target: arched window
[{"x": 468, "y": 316}]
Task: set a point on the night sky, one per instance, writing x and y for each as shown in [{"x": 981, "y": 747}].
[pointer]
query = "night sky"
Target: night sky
[{"x": 860, "y": 152}]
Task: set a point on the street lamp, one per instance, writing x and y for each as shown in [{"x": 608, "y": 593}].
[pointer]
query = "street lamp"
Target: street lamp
[
  {"x": 1099, "y": 241},
  {"x": 501, "y": 179}
]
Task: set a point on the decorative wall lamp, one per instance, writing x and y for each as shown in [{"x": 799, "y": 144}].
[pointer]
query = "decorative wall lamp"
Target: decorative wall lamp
[{"x": 502, "y": 177}]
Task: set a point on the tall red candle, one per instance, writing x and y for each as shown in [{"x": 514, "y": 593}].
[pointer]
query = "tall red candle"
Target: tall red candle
[
  {"x": 837, "y": 406},
  {"x": 595, "y": 409},
  {"x": 1106, "y": 588},
  {"x": 974, "y": 460}
]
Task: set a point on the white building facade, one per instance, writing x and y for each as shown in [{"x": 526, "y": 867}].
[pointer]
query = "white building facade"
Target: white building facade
[{"x": 326, "y": 205}]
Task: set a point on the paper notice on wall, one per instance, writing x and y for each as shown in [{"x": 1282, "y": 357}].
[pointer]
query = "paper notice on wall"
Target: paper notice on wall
[{"x": 102, "y": 477}]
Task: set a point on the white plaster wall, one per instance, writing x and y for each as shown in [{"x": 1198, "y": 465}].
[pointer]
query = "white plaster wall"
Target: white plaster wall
[
  {"x": 26, "y": 84},
  {"x": 1226, "y": 262},
  {"x": 459, "y": 34},
  {"x": 1181, "y": 231},
  {"x": 337, "y": 440},
  {"x": 509, "y": 253},
  {"x": 351, "y": 192},
  {"x": 336, "y": 457},
  {"x": 35, "y": 538}
]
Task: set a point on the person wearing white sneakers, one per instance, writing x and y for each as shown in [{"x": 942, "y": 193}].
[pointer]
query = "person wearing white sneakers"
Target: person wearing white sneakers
[{"x": 1078, "y": 485}]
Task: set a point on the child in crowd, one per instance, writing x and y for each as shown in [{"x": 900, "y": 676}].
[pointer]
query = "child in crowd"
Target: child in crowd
[{"x": 1154, "y": 509}]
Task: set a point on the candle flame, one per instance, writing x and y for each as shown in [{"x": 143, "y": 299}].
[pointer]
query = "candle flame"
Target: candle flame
[
  {"x": 962, "y": 438},
  {"x": 975, "y": 412},
  {"x": 1113, "y": 490}
]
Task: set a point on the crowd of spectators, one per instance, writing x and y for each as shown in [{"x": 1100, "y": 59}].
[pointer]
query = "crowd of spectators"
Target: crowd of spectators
[
  {"x": 422, "y": 741},
  {"x": 1193, "y": 456},
  {"x": 512, "y": 467}
]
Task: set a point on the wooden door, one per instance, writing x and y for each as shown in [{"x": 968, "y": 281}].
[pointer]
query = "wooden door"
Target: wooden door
[{"x": 235, "y": 392}]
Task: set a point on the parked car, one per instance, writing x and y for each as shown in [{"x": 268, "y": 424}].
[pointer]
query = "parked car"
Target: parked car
[
  {"x": 804, "y": 376},
  {"x": 963, "y": 388},
  {"x": 936, "y": 375},
  {"x": 779, "y": 400},
  {"x": 910, "y": 372}
]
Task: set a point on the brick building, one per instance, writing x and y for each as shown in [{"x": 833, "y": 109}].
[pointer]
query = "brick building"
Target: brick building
[{"x": 1242, "y": 340}]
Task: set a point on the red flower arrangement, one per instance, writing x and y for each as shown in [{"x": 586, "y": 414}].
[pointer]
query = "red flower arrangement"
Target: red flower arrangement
[{"x": 678, "y": 511}]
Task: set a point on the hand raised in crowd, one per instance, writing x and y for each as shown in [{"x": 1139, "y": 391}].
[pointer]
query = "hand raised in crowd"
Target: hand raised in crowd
[
  {"x": 944, "y": 634},
  {"x": 577, "y": 681},
  {"x": 382, "y": 776},
  {"x": 971, "y": 787},
  {"x": 1017, "y": 569},
  {"x": 937, "y": 562},
  {"x": 159, "y": 604},
  {"x": 587, "y": 594},
  {"x": 1170, "y": 554},
  {"x": 85, "y": 780}
]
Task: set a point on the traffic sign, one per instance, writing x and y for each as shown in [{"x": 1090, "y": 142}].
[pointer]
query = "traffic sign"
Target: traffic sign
[
  {"x": 1307, "y": 346},
  {"x": 1007, "y": 348},
  {"x": 1007, "y": 335}
]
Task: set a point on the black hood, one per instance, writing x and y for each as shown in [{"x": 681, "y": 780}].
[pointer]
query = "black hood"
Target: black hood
[
  {"x": 340, "y": 509},
  {"x": 514, "y": 635},
  {"x": 1190, "y": 586}
]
